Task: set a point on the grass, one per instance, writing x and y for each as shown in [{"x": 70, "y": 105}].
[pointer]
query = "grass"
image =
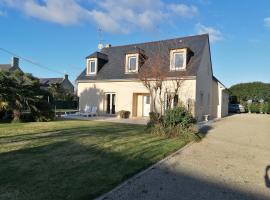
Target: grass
[{"x": 74, "y": 159}]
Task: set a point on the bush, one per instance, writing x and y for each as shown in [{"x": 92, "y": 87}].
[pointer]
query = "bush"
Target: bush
[
  {"x": 178, "y": 116},
  {"x": 66, "y": 104},
  {"x": 266, "y": 108},
  {"x": 124, "y": 114},
  {"x": 27, "y": 117},
  {"x": 254, "y": 108},
  {"x": 43, "y": 113},
  {"x": 176, "y": 122}
]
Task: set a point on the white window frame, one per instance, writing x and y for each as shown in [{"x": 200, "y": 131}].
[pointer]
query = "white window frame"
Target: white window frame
[
  {"x": 172, "y": 59},
  {"x": 88, "y": 66},
  {"x": 128, "y": 56}
]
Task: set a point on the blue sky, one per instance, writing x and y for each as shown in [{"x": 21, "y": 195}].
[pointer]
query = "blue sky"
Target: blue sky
[{"x": 58, "y": 34}]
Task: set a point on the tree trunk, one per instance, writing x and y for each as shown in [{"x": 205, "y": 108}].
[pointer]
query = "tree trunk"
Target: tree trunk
[{"x": 16, "y": 115}]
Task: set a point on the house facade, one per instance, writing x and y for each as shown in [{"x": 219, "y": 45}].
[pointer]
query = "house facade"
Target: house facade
[{"x": 111, "y": 79}]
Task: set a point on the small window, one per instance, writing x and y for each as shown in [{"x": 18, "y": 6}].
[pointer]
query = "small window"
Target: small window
[
  {"x": 178, "y": 59},
  {"x": 175, "y": 101},
  {"x": 131, "y": 63},
  {"x": 201, "y": 99},
  {"x": 91, "y": 66}
]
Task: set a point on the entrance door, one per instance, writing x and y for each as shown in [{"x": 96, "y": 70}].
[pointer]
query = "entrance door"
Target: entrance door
[
  {"x": 110, "y": 103},
  {"x": 146, "y": 105}
]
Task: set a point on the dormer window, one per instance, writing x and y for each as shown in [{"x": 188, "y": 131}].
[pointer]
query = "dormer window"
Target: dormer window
[
  {"x": 132, "y": 63},
  {"x": 178, "y": 59},
  {"x": 91, "y": 68}
]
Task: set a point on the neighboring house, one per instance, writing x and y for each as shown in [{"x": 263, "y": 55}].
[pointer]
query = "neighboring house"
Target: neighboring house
[
  {"x": 110, "y": 79},
  {"x": 11, "y": 67},
  {"x": 64, "y": 82}
]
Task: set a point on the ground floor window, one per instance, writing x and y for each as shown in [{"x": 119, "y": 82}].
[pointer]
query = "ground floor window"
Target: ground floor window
[{"x": 171, "y": 101}]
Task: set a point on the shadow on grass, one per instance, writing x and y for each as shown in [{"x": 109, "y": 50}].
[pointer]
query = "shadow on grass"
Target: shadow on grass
[
  {"x": 103, "y": 129},
  {"x": 73, "y": 170},
  {"x": 65, "y": 170}
]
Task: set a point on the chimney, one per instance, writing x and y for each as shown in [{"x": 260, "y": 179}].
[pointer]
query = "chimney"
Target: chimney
[
  {"x": 15, "y": 62},
  {"x": 108, "y": 45},
  {"x": 100, "y": 46},
  {"x": 66, "y": 76}
]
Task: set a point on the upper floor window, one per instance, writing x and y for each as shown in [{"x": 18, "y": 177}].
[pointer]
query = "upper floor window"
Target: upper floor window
[
  {"x": 91, "y": 66},
  {"x": 178, "y": 59},
  {"x": 132, "y": 62}
]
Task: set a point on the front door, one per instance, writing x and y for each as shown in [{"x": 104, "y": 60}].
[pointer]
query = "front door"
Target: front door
[
  {"x": 110, "y": 103},
  {"x": 146, "y": 105}
]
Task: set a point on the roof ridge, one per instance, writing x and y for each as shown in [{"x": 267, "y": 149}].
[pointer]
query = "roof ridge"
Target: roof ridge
[{"x": 163, "y": 40}]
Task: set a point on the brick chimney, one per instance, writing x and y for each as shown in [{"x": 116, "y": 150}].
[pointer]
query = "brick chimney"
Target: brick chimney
[
  {"x": 66, "y": 76},
  {"x": 15, "y": 62}
]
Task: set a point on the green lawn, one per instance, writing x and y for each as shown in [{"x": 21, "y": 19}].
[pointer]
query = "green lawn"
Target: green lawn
[{"x": 74, "y": 159}]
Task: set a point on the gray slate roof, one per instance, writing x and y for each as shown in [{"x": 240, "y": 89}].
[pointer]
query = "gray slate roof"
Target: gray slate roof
[
  {"x": 115, "y": 67},
  {"x": 48, "y": 81},
  {"x": 5, "y": 66}
]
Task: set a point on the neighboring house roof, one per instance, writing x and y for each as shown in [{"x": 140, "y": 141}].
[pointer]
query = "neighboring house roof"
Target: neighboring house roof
[
  {"x": 114, "y": 68},
  {"x": 48, "y": 81},
  {"x": 11, "y": 67},
  {"x": 65, "y": 82},
  {"x": 5, "y": 66}
]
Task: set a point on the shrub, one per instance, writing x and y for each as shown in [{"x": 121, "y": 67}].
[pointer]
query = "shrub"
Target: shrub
[
  {"x": 254, "y": 108},
  {"x": 176, "y": 122},
  {"x": 124, "y": 114},
  {"x": 43, "y": 112},
  {"x": 266, "y": 108},
  {"x": 27, "y": 117},
  {"x": 178, "y": 116}
]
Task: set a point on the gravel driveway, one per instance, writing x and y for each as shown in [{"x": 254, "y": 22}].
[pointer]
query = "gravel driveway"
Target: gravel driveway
[{"x": 230, "y": 163}]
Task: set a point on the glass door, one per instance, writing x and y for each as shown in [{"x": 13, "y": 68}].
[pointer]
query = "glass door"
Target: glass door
[{"x": 110, "y": 103}]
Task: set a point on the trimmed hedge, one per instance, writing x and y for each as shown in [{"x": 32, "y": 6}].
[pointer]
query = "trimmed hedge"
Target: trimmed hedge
[
  {"x": 66, "y": 104},
  {"x": 259, "y": 108}
]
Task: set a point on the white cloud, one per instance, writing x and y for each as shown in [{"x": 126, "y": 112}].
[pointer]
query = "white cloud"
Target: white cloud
[
  {"x": 110, "y": 15},
  {"x": 184, "y": 10},
  {"x": 65, "y": 12},
  {"x": 214, "y": 34},
  {"x": 267, "y": 22}
]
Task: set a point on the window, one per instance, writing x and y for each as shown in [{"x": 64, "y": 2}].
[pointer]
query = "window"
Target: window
[
  {"x": 175, "y": 101},
  {"x": 132, "y": 63},
  {"x": 178, "y": 59},
  {"x": 171, "y": 101},
  {"x": 91, "y": 66},
  {"x": 201, "y": 98}
]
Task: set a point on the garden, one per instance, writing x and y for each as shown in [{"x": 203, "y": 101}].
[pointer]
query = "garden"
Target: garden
[
  {"x": 72, "y": 159},
  {"x": 50, "y": 158}
]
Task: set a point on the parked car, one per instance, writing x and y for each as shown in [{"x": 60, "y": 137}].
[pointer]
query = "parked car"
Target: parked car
[{"x": 236, "y": 108}]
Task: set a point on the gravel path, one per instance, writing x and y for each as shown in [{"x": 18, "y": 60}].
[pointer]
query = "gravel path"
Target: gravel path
[{"x": 230, "y": 163}]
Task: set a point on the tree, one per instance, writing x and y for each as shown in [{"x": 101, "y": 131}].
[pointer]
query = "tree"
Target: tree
[
  {"x": 254, "y": 91},
  {"x": 20, "y": 92},
  {"x": 155, "y": 77}
]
